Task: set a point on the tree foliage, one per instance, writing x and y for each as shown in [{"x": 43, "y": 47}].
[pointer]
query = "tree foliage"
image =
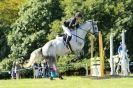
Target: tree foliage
[
  {"x": 9, "y": 10},
  {"x": 8, "y": 14},
  {"x": 30, "y": 30}
]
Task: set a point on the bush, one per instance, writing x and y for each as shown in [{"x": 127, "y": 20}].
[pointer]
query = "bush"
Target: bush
[
  {"x": 69, "y": 65},
  {"x": 79, "y": 72},
  {"x": 6, "y": 64},
  {"x": 26, "y": 73},
  {"x": 5, "y": 75}
]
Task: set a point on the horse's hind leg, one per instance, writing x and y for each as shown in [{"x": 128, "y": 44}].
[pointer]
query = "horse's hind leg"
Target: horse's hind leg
[
  {"x": 51, "y": 64},
  {"x": 53, "y": 67}
]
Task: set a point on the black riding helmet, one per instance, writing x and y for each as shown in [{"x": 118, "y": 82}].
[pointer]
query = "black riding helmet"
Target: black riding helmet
[{"x": 78, "y": 14}]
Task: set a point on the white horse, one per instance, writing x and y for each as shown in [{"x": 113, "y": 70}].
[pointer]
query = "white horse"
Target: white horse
[
  {"x": 117, "y": 63},
  {"x": 57, "y": 47}
]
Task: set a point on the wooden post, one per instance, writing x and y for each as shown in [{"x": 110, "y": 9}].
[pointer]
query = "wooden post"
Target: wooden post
[
  {"x": 92, "y": 45},
  {"x": 92, "y": 50},
  {"x": 101, "y": 54}
]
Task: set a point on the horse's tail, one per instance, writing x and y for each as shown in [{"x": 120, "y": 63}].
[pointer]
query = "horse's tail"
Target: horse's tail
[{"x": 34, "y": 55}]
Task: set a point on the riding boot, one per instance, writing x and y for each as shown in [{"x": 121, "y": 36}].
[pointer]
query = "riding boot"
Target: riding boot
[{"x": 67, "y": 41}]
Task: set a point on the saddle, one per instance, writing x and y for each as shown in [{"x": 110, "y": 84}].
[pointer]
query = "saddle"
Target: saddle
[{"x": 66, "y": 43}]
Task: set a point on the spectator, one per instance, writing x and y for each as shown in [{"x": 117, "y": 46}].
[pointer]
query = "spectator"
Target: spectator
[
  {"x": 120, "y": 50},
  {"x": 35, "y": 70},
  {"x": 39, "y": 70},
  {"x": 53, "y": 71},
  {"x": 17, "y": 70},
  {"x": 47, "y": 72},
  {"x": 45, "y": 69},
  {"x": 13, "y": 71}
]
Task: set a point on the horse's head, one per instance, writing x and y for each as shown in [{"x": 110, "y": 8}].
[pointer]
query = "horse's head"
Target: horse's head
[{"x": 90, "y": 26}]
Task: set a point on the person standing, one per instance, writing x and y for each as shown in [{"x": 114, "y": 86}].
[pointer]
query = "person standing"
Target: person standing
[
  {"x": 13, "y": 74},
  {"x": 45, "y": 69},
  {"x": 39, "y": 70},
  {"x": 35, "y": 70},
  {"x": 120, "y": 50},
  {"x": 17, "y": 70}
]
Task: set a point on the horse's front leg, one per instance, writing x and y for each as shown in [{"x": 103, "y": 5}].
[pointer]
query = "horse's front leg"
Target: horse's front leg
[
  {"x": 53, "y": 68},
  {"x": 51, "y": 60},
  {"x": 59, "y": 75}
]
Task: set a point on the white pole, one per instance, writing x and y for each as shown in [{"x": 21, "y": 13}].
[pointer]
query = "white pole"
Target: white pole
[
  {"x": 123, "y": 61},
  {"x": 86, "y": 69},
  {"x": 111, "y": 55}
]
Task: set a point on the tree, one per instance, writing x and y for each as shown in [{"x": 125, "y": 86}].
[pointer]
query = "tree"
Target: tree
[
  {"x": 8, "y": 14},
  {"x": 30, "y": 30}
]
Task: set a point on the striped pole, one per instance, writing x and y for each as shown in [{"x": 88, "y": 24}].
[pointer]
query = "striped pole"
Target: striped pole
[
  {"x": 101, "y": 54},
  {"x": 111, "y": 55},
  {"x": 123, "y": 61}
]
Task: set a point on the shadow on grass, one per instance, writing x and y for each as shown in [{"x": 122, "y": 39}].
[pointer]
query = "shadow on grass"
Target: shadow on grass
[{"x": 107, "y": 77}]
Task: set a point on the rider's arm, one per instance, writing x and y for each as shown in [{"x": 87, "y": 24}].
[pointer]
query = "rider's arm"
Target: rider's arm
[{"x": 72, "y": 23}]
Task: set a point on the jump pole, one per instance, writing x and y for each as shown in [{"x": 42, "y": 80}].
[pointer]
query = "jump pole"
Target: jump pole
[
  {"x": 111, "y": 55},
  {"x": 123, "y": 62},
  {"x": 101, "y": 52}
]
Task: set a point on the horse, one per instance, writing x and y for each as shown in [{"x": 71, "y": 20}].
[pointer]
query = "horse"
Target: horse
[
  {"x": 117, "y": 63},
  {"x": 56, "y": 47}
]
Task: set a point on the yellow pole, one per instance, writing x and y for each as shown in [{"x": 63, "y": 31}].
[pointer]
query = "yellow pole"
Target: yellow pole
[
  {"x": 92, "y": 50},
  {"x": 101, "y": 54}
]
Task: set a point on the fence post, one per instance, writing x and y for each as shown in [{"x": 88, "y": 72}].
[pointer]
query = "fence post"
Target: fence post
[{"x": 101, "y": 54}]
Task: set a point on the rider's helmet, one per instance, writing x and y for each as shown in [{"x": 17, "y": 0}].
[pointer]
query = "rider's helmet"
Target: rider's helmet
[{"x": 78, "y": 14}]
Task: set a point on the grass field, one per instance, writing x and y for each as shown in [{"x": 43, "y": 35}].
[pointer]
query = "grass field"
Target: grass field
[{"x": 69, "y": 82}]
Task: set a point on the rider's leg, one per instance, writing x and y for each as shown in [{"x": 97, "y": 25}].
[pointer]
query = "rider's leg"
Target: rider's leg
[
  {"x": 67, "y": 40},
  {"x": 68, "y": 32}
]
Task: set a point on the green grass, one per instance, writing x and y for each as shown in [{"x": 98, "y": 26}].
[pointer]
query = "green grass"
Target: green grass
[{"x": 68, "y": 82}]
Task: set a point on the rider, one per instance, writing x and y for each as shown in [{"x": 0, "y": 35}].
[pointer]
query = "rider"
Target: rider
[
  {"x": 71, "y": 24},
  {"x": 120, "y": 49}
]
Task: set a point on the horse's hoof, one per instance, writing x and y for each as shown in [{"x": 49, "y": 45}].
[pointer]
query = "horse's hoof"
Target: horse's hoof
[
  {"x": 61, "y": 77},
  {"x": 51, "y": 78}
]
